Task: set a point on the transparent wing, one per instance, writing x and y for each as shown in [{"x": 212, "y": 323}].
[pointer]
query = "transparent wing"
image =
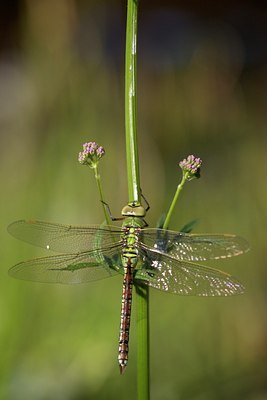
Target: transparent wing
[
  {"x": 64, "y": 238},
  {"x": 70, "y": 268},
  {"x": 190, "y": 247},
  {"x": 185, "y": 278}
]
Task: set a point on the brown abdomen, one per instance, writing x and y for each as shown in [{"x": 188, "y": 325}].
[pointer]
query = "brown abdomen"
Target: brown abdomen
[{"x": 125, "y": 315}]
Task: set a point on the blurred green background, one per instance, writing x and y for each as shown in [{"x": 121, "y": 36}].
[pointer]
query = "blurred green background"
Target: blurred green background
[{"x": 201, "y": 89}]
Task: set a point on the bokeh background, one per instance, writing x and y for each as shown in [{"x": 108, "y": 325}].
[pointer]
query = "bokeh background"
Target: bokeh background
[{"x": 202, "y": 70}]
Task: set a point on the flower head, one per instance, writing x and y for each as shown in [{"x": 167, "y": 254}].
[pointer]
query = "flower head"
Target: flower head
[
  {"x": 91, "y": 154},
  {"x": 191, "y": 167}
]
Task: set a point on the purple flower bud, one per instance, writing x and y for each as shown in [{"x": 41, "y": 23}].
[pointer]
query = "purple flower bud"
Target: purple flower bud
[
  {"x": 191, "y": 166},
  {"x": 100, "y": 151},
  {"x": 91, "y": 154}
]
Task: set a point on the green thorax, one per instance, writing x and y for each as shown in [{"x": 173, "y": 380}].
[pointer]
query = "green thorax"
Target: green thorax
[{"x": 131, "y": 226}]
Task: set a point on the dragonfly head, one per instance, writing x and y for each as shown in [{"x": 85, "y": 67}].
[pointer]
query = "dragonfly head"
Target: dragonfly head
[{"x": 134, "y": 209}]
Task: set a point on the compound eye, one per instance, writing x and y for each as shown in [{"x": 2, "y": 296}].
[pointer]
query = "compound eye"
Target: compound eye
[
  {"x": 127, "y": 210},
  {"x": 133, "y": 209},
  {"x": 139, "y": 211}
]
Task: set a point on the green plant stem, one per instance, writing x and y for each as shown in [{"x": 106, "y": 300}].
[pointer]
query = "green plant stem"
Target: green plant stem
[
  {"x": 142, "y": 293},
  {"x": 174, "y": 201},
  {"x": 100, "y": 190},
  {"x": 130, "y": 103},
  {"x": 142, "y": 320}
]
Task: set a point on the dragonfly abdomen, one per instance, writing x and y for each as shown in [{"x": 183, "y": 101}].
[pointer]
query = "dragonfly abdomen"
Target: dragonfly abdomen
[{"x": 125, "y": 315}]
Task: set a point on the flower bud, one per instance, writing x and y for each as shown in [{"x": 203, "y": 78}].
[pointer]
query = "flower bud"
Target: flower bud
[{"x": 91, "y": 154}]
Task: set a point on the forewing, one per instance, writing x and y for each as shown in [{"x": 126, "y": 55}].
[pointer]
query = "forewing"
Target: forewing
[
  {"x": 64, "y": 238},
  {"x": 185, "y": 278},
  {"x": 189, "y": 247},
  {"x": 69, "y": 268}
]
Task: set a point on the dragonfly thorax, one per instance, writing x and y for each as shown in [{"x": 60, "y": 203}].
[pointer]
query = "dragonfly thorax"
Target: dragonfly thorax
[{"x": 129, "y": 241}]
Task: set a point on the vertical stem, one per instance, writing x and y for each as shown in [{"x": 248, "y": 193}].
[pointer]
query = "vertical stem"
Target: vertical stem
[
  {"x": 174, "y": 201},
  {"x": 134, "y": 192},
  {"x": 99, "y": 186},
  {"x": 130, "y": 103},
  {"x": 142, "y": 320}
]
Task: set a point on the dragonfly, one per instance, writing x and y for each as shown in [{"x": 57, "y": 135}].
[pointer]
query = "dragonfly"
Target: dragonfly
[{"x": 163, "y": 259}]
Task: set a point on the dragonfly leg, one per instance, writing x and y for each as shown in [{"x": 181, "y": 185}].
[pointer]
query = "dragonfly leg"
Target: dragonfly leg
[
  {"x": 145, "y": 200},
  {"x": 146, "y": 224},
  {"x": 110, "y": 214}
]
